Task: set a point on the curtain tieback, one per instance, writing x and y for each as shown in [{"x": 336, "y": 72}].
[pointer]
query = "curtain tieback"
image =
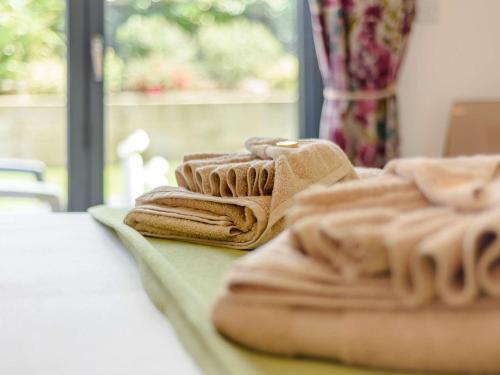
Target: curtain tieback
[{"x": 332, "y": 94}]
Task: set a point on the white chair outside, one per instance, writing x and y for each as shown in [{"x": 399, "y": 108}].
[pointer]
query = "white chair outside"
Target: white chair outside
[{"x": 38, "y": 189}]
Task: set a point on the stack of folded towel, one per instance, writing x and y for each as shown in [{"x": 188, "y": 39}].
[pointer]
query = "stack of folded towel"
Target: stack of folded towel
[
  {"x": 238, "y": 200},
  {"x": 400, "y": 271}
]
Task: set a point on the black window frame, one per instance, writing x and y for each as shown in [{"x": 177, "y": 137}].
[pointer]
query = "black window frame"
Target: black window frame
[{"x": 85, "y": 105}]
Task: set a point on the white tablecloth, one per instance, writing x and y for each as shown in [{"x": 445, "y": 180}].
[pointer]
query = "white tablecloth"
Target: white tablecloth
[{"x": 71, "y": 302}]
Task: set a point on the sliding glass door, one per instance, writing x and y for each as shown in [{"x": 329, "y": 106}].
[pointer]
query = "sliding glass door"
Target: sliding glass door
[
  {"x": 109, "y": 95},
  {"x": 189, "y": 77}
]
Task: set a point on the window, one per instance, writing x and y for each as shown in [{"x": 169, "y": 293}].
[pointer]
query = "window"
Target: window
[
  {"x": 177, "y": 77},
  {"x": 197, "y": 76},
  {"x": 32, "y": 102}
]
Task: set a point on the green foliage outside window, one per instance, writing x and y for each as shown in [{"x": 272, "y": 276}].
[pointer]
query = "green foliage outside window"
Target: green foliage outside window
[
  {"x": 154, "y": 44},
  {"x": 236, "y": 50},
  {"x": 30, "y": 31},
  {"x": 141, "y": 36}
]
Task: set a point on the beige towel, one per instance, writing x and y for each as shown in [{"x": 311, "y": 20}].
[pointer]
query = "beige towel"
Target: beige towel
[
  {"x": 230, "y": 175},
  {"x": 279, "y": 300},
  {"x": 391, "y": 272},
  {"x": 238, "y": 200},
  {"x": 466, "y": 183},
  {"x": 381, "y": 192},
  {"x": 433, "y": 339}
]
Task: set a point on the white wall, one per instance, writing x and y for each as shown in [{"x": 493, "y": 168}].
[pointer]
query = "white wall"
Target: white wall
[{"x": 454, "y": 56}]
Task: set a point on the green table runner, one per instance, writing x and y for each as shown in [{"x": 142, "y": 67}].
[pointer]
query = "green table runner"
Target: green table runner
[{"x": 182, "y": 280}]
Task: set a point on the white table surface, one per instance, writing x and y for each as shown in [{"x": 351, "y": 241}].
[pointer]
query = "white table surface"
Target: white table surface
[{"x": 71, "y": 302}]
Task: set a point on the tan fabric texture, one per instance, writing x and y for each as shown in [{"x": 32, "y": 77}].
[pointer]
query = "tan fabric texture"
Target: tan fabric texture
[
  {"x": 238, "y": 200},
  {"x": 230, "y": 175},
  {"x": 390, "y": 271}
]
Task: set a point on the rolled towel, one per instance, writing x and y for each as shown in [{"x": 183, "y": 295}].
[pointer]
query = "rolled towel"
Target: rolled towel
[
  {"x": 230, "y": 175},
  {"x": 238, "y": 201}
]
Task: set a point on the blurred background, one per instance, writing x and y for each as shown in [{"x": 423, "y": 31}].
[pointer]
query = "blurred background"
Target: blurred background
[
  {"x": 168, "y": 77},
  {"x": 198, "y": 75}
]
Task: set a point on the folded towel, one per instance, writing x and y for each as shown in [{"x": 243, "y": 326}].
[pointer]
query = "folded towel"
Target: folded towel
[
  {"x": 432, "y": 339},
  {"x": 390, "y": 271},
  {"x": 466, "y": 183},
  {"x": 238, "y": 200}
]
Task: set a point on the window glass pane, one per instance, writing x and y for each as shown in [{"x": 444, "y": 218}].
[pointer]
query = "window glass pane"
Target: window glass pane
[
  {"x": 193, "y": 76},
  {"x": 32, "y": 105}
]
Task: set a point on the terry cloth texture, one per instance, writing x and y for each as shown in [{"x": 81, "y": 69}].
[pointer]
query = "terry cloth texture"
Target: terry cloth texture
[
  {"x": 238, "y": 200},
  {"x": 399, "y": 271},
  {"x": 182, "y": 280}
]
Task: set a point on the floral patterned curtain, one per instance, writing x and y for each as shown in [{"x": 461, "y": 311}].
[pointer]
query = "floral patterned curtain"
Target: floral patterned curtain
[{"x": 360, "y": 46}]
